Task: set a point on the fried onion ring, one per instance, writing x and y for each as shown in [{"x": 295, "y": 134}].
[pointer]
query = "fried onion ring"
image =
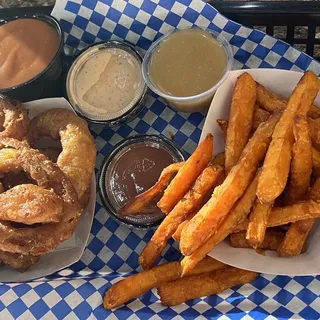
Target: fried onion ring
[
  {"x": 29, "y": 204},
  {"x": 78, "y": 156},
  {"x": 18, "y": 261},
  {"x": 44, "y": 238},
  {"x": 13, "y": 119}
]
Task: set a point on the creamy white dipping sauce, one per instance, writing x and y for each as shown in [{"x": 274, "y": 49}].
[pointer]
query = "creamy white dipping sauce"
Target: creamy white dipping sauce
[{"x": 105, "y": 82}]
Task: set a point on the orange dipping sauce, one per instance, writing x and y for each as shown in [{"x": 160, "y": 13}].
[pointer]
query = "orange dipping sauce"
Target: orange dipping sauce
[{"x": 27, "y": 46}]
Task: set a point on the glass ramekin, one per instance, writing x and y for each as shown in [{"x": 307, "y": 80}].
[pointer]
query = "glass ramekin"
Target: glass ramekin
[{"x": 108, "y": 195}]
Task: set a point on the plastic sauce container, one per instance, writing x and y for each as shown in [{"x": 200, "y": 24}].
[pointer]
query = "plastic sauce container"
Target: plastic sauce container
[
  {"x": 132, "y": 167},
  {"x": 186, "y": 67},
  {"x": 105, "y": 84},
  {"x": 31, "y": 56}
]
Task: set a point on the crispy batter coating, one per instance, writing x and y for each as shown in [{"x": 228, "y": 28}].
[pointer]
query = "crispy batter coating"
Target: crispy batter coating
[
  {"x": 18, "y": 261},
  {"x": 29, "y": 204},
  {"x": 13, "y": 119},
  {"x": 78, "y": 156},
  {"x": 44, "y": 238}
]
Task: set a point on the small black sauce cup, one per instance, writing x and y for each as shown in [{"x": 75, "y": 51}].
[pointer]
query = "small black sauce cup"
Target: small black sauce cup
[{"x": 48, "y": 82}]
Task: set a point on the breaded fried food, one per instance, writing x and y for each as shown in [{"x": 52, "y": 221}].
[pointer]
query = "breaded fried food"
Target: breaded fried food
[
  {"x": 276, "y": 165},
  {"x": 187, "y": 175},
  {"x": 301, "y": 163},
  {"x": 296, "y": 236},
  {"x": 258, "y": 221},
  {"x": 40, "y": 239},
  {"x": 316, "y": 161},
  {"x": 208, "y": 219},
  {"x": 30, "y": 204},
  {"x": 206, "y": 284},
  {"x": 13, "y": 119},
  {"x": 271, "y": 102},
  {"x": 18, "y": 261},
  {"x": 237, "y": 214},
  {"x": 78, "y": 156},
  {"x": 207, "y": 181},
  {"x": 143, "y": 200},
  {"x": 51, "y": 153},
  {"x": 240, "y": 119},
  {"x": 272, "y": 240}
]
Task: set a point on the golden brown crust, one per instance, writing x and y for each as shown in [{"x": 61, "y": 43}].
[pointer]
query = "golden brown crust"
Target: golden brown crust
[
  {"x": 30, "y": 204},
  {"x": 18, "y": 261},
  {"x": 43, "y": 238},
  {"x": 78, "y": 156},
  {"x": 13, "y": 119}
]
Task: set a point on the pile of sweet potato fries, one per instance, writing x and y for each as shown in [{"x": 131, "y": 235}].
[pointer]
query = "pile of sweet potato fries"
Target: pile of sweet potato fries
[{"x": 262, "y": 193}]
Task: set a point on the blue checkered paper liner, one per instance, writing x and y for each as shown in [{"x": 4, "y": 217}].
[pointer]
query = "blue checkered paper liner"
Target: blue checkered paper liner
[{"x": 112, "y": 251}]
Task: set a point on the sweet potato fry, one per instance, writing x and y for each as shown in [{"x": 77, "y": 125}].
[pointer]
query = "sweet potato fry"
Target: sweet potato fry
[
  {"x": 143, "y": 200},
  {"x": 316, "y": 161},
  {"x": 276, "y": 165},
  {"x": 301, "y": 164},
  {"x": 314, "y": 129},
  {"x": 272, "y": 239},
  {"x": 272, "y": 102},
  {"x": 295, "y": 238},
  {"x": 208, "y": 219},
  {"x": 240, "y": 119},
  {"x": 206, "y": 284},
  {"x": 207, "y": 264},
  {"x": 177, "y": 235},
  {"x": 298, "y": 232},
  {"x": 260, "y": 115},
  {"x": 238, "y": 213},
  {"x": 284, "y": 215},
  {"x": 187, "y": 175},
  {"x": 206, "y": 182},
  {"x": 134, "y": 286},
  {"x": 258, "y": 221},
  {"x": 223, "y": 124},
  {"x": 219, "y": 159}
]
